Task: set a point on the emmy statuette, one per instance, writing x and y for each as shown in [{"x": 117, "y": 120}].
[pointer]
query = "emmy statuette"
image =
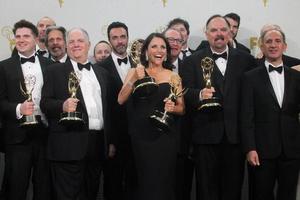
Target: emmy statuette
[
  {"x": 146, "y": 86},
  {"x": 164, "y": 120},
  {"x": 212, "y": 104},
  {"x": 72, "y": 118},
  {"x": 29, "y": 120}
]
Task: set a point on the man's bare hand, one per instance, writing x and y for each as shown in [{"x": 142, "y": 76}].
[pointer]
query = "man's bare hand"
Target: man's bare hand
[{"x": 70, "y": 105}]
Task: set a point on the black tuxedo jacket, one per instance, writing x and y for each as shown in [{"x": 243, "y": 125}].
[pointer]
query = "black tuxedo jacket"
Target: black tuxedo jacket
[
  {"x": 204, "y": 44},
  {"x": 11, "y": 76},
  {"x": 120, "y": 119},
  {"x": 68, "y": 143},
  {"x": 287, "y": 61},
  {"x": 269, "y": 129},
  {"x": 209, "y": 128},
  {"x": 184, "y": 139}
]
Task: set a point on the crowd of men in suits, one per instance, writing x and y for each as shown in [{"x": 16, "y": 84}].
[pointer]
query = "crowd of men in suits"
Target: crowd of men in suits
[{"x": 258, "y": 120}]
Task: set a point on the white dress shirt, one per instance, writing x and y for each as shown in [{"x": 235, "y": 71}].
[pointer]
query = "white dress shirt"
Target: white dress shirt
[
  {"x": 123, "y": 68},
  {"x": 91, "y": 93},
  {"x": 62, "y": 60},
  {"x": 277, "y": 81},
  {"x": 221, "y": 62},
  {"x": 188, "y": 53},
  {"x": 175, "y": 64},
  {"x": 33, "y": 69}
]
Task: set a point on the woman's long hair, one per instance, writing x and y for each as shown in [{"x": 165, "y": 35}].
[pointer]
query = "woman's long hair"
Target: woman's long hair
[{"x": 166, "y": 64}]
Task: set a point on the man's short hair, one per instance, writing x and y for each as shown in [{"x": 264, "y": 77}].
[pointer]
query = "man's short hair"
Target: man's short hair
[
  {"x": 46, "y": 17},
  {"x": 274, "y": 28},
  {"x": 116, "y": 25},
  {"x": 180, "y": 21},
  {"x": 216, "y": 16},
  {"x": 84, "y": 32},
  {"x": 26, "y": 24},
  {"x": 234, "y": 16},
  {"x": 57, "y": 28}
]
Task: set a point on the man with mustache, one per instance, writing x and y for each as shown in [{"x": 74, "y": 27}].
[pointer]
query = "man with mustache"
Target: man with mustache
[
  {"x": 219, "y": 160},
  {"x": 56, "y": 43},
  {"x": 118, "y": 177},
  {"x": 234, "y": 22}
]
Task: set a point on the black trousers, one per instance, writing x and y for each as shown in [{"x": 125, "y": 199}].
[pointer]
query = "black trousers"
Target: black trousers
[
  {"x": 262, "y": 179},
  {"x": 24, "y": 158},
  {"x": 120, "y": 178},
  {"x": 79, "y": 180},
  {"x": 219, "y": 171},
  {"x": 184, "y": 177}
]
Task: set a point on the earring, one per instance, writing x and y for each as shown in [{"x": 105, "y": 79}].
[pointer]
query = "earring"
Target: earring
[
  {"x": 165, "y": 59},
  {"x": 147, "y": 57}
]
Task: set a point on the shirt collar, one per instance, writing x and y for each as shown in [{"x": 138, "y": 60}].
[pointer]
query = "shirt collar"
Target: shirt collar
[{"x": 226, "y": 50}]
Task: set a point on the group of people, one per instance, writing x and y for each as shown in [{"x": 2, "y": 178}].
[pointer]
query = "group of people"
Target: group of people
[{"x": 220, "y": 107}]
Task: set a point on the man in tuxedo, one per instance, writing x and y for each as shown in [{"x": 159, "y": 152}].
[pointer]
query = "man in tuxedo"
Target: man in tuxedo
[
  {"x": 270, "y": 126},
  {"x": 234, "y": 22},
  {"x": 56, "y": 43},
  {"x": 119, "y": 175},
  {"x": 25, "y": 146},
  {"x": 185, "y": 166},
  {"x": 218, "y": 158},
  {"x": 287, "y": 60},
  {"x": 184, "y": 28},
  {"x": 76, "y": 152}
]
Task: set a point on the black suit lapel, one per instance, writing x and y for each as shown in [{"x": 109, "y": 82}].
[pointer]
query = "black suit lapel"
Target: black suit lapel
[
  {"x": 286, "y": 84},
  {"x": 179, "y": 66},
  {"x": 230, "y": 71},
  {"x": 115, "y": 72},
  {"x": 68, "y": 69},
  {"x": 267, "y": 82},
  {"x": 19, "y": 74},
  {"x": 216, "y": 76}
]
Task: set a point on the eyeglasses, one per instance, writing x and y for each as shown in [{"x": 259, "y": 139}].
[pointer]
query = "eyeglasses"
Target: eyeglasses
[{"x": 173, "y": 40}]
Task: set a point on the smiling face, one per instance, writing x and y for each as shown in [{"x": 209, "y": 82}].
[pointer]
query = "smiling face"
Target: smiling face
[
  {"x": 185, "y": 35},
  {"x": 102, "y": 51},
  {"x": 56, "y": 44},
  {"x": 78, "y": 46},
  {"x": 217, "y": 34},
  {"x": 175, "y": 41},
  {"x": 273, "y": 46},
  {"x": 25, "y": 41},
  {"x": 156, "y": 51}
]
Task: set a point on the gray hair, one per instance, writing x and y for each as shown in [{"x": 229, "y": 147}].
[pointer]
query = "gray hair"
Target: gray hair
[
  {"x": 84, "y": 32},
  {"x": 271, "y": 27}
]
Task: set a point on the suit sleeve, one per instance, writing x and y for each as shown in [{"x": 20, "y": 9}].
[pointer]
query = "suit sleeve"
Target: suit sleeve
[
  {"x": 247, "y": 115},
  {"x": 50, "y": 105},
  {"x": 7, "y": 109},
  {"x": 189, "y": 81}
]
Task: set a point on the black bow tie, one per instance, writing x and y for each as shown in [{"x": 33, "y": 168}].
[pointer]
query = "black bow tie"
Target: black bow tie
[
  {"x": 223, "y": 55},
  {"x": 41, "y": 52},
  {"x": 278, "y": 69},
  {"x": 124, "y": 60},
  {"x": 30, "y": 59},
  {"x": 86, "y": 66},
  {"x": 184, "y": 54}
]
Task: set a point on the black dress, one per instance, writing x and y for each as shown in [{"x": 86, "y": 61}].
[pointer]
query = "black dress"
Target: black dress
[{"x": 154, "y": 150}]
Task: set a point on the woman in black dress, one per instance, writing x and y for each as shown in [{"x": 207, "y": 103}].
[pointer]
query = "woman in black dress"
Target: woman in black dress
[{"x": 154, "y": 149}]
